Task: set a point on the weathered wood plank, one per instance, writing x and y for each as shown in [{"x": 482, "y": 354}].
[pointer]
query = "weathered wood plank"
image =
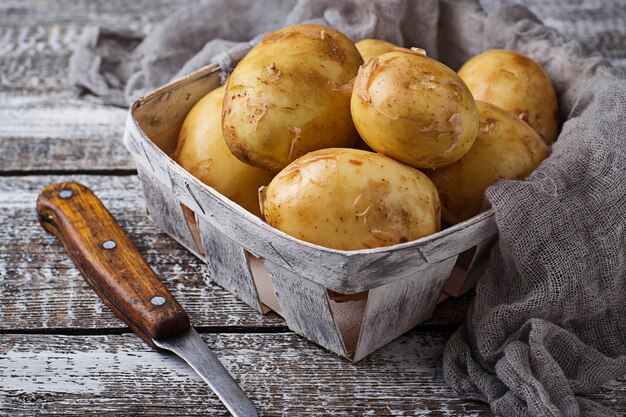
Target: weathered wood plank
[
  {"x": 395, "y": 308},
  {"x": 228, "y": 265},
  {"x": 38, "y": 37},
  {"x": 306, "y": 308},
  {"x": 42, "y": 125},
  {"x": 22, "y": 13},
  {"x": 282, "y": 373},
  {"x": 60, "y": 132},
  {"x": 41, "y": 289}
]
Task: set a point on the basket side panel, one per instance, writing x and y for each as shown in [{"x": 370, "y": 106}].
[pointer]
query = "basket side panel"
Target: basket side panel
[
  {"x": 395, "y": 308},
  {"x": 228, "y": 265},
  {"x": 165, "y": 210},
  {"x": 306, "y": 308}
]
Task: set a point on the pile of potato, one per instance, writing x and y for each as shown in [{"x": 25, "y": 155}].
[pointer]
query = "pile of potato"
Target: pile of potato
[{"x": 349, "y": 154}]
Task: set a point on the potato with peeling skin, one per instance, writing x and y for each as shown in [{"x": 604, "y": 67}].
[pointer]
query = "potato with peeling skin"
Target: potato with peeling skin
[
  {"x": 517, "y": 84},
  {"x": 351, "y": 199},
  {"x": 291, "y": 95},
  {"x": 505, "y": 147},
  {"x": 414, "y": 109},
  {"x": 201, "y": 150},
  {"x": 371, "y": 48}
]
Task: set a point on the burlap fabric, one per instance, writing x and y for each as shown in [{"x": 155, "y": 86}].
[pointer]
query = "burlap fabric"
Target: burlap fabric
[{"x": 548, "y": 323}]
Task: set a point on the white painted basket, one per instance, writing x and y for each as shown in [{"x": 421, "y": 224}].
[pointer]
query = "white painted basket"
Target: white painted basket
[{"x": 350, "y": 302}]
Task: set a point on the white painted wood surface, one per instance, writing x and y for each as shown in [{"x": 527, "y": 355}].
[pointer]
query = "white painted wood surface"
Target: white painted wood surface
[
  {"x": 74, "y": 363},
  {"x": 118, "y": 375},
  {"x": 41, "y": 289},
  {"x": 40, "y": 118},
  {"x": 306, "y": 308},
  {"x": 283, "y": 374}
]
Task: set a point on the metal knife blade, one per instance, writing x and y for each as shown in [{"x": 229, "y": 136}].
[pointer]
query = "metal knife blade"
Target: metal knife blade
[
  {"x": 197, "y": 354},
  {"x": 117, "y": 272}
]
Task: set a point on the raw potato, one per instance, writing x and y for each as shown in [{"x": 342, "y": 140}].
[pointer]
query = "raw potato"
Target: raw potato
[
  {"x": 505, "y": 147},
  {"x": 351, "y": 199},
  {"x": 291, "y": 95},
  {"x": 370, "y": 48},
  {"x": 202, "y": 151},
  {"x": 517, "y": 84},
  {"x": 414, "y": 109}
]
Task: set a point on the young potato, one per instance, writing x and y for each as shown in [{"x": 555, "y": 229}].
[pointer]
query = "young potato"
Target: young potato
[
  {"x": 505, "y": 147},
  {"x": 414, "y": 109},
  {"x": 517, "y": 84},
  {"x": 291, "y": 95},
  {"x": 351, "y": 199},
  {"x": 370, "y": 48},
  {"x": 202, "y": 151}
]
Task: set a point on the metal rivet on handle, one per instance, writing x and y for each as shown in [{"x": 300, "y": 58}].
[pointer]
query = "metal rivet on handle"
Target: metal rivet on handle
[
  {"x": 109, "y": 244},
  {"x": 66, "y": 193},
  {"x": 158, "y": 300}
]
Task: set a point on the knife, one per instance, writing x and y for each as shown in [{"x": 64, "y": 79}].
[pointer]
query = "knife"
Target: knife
[{"x": 117, "y": 272}]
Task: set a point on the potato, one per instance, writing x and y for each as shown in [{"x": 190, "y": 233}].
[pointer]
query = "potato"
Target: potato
[
  {"x": 351, "y": 199},
  {"x": 291, "y": 95},
  {"x": 517, "y": 84},
  {"x": 414, "y": 109},
  {"x": 370, "y": 48},
  {"x": 505, "y": 147},
  {"x": 202, "y": 151}
]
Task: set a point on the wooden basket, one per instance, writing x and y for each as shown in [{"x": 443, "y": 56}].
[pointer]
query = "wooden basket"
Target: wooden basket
[{"x": 350, "y": 302}]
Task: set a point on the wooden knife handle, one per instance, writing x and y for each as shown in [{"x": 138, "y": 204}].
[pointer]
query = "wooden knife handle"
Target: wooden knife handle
[{"x": 109, "y": 261}]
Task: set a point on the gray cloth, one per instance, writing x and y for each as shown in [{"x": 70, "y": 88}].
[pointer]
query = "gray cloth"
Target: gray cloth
[
  {"x": 599, "y": 25},
  {"x": 548, "y": 323},
  {"x": 109, "y": 63}
]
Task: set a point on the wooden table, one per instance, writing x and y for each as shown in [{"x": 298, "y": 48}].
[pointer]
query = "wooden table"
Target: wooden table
[{"x": 63, "y": 352}]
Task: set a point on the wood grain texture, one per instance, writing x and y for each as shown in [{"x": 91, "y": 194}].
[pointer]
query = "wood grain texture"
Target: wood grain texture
[
  {"x": 57, "y": 131},
  {"x": 396, "y": 308},
  {"x": 43, "y": 126},
  {"x": 306, "y": 308},
  {"x": 165, "y": 211},
  {"x": 228, "y": 265},
  {"x": 109, "y": 261},
  {"x": 283, "y": 374},
  {"x": 38, "y": 37},
  {"x": 41, "y": 289}
]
